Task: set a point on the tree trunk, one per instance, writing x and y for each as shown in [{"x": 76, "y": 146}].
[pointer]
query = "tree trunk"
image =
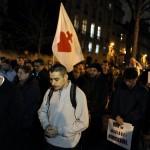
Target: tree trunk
[
  {"x": 136, "y": 36},
  {"x": 39, "y": 43}
]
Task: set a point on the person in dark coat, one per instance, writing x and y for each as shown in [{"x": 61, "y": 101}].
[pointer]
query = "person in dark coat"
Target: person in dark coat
[
  {"x": 105, "y": 87},
  {"x": 10, "y": 115},
  {"x": 41, "y": 74},
  {"x": 88, "y": 83},
  {"x": 74, "y": 74},
  {"x": 128, "y": 104},
  {"x": 32, "y": 135},
  {"x": 143, "y": 80}
]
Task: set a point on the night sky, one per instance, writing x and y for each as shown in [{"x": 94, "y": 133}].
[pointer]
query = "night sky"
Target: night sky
[
  {"x": 28, "y": 14},
  {"x": 18, "y": 7}
]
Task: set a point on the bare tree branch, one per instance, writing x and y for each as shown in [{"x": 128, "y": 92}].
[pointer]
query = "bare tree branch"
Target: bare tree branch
[
  {"x": 131, "y": 7},
  {"x": 145, "y": 19},
  {"x": 145, "y": 3}
]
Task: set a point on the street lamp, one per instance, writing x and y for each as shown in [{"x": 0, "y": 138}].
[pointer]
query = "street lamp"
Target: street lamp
[{"x": 111, "y": 44}]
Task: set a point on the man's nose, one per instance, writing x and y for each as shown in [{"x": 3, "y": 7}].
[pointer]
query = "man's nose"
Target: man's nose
[{"x": 53, "y": 82}]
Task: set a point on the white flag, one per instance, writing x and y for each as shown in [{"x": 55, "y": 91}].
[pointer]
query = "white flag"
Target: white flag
[{"x": 66, "y": 45}]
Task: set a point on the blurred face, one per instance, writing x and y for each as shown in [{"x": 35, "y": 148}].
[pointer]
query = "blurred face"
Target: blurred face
[
  {"x": 130, "y": 83},
  {"x": 22, "y": 76},
  {"x": 115, "y": 72},
  {"x": 105, "y": 68},
  {"x": 58, "y": 80},
  {"x": 38, "y": 67},
  {"x": 20, "y": 61},
  {"x": 30, "y": 65},
  {"x": 93, "y": 72},
  {"x": 132, "y": 62},
  {"x": 81, "y": 68},
  {"x": 5, "y": 66}
]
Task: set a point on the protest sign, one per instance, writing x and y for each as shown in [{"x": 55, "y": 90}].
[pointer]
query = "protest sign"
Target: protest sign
[{"x": 120, "y": 134}]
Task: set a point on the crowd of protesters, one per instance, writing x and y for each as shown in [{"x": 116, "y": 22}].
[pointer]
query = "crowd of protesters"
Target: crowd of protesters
[{"x": 118, "y": 91}]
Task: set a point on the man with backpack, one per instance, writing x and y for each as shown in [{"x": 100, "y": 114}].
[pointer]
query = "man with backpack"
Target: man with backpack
[{"x": 64, "y": 112}]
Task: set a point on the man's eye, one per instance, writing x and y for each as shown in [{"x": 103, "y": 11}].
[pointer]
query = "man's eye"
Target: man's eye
[{"x": 54, "y": 79}]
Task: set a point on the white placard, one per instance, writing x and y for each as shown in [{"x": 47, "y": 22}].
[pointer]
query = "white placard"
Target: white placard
[
  {"x": 120, "y": 135},
  {"x": 148, "y": 77}
]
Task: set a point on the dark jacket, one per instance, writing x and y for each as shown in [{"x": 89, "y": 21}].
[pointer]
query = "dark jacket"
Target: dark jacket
[
  {"x": 43, "y": 79},
  {"x": 130, "y": 104},
  {"x": 31, "y": 128},
  {"x": 88, "y": 85},
  {"x": 10, "y": 116},
  {"x": 105, "y": 87}
]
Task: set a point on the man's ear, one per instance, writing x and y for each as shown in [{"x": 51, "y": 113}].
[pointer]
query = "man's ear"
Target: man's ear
[{"x": 66, "y": 77}]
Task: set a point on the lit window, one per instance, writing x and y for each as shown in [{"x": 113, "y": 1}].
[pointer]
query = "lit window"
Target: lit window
[
  {"x": 92, "y": 30},
  {"x": 121, "y": 36},
  {"x": 98, "y": 32},
  {"x": 76, "y": 22},
  {"x": 90, "y": 47},
  {"x": 97, "y": 49},
  {"x": 110, "y": 6},
  {"x": 84, "y": 26}
]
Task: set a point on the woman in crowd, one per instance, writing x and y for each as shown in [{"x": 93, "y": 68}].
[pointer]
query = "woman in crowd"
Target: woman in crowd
[{"x": 30, "y": 91}]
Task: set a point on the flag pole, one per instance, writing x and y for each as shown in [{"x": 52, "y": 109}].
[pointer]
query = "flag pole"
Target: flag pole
[{"x": 53, "y": 60}]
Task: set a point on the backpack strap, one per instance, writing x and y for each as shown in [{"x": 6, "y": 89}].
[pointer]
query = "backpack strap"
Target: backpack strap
[
  {"x": 49, "y": 95},
  {"x": 73, "y": 95}
]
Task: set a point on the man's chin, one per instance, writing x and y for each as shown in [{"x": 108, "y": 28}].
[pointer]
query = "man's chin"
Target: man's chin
[{"x": 56, "y": 88}]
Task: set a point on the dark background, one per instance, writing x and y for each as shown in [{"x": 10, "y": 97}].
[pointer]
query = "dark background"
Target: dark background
[{"x": 31, "y": 25}]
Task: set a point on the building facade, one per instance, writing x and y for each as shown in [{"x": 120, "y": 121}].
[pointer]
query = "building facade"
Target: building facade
[{"x": 98, "y": 24}]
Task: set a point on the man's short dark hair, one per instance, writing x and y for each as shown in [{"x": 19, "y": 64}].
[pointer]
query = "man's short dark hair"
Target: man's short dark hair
[
  {"x": 27, "y": 69},
  {"x": 5, "y": 60},
  {"x": 130, "y": 73},
  {"x": 58, "y": 68},
  {"x": 95, "y": 65},
  {"x": 39, "y": 61}
]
